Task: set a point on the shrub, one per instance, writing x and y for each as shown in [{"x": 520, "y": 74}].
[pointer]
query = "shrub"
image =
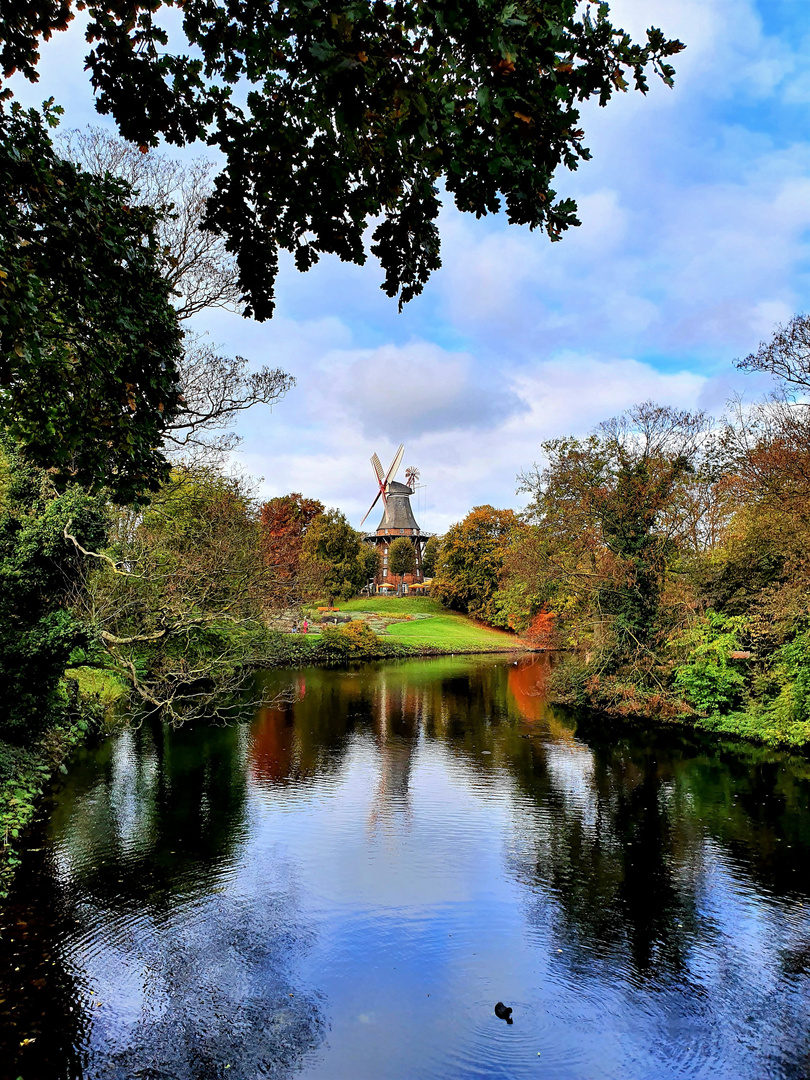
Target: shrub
[
  {"x": 707, "y": 678},
  {"x": 354, "y": 639}
]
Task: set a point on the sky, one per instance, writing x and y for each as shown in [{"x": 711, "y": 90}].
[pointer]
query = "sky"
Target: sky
[{"x": 694, "y": 245}]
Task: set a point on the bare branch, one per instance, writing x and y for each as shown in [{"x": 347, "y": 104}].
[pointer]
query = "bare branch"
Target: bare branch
[{"x": 195, "y": 260}]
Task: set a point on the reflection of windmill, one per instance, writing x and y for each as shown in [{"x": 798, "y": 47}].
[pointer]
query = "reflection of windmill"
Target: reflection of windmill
[
  {"x": 397, "y": 729},
  {"x": 397, "y": 520}
]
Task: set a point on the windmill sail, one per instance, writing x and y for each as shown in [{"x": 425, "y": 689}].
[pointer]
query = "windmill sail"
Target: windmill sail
[
  {"x": 395, "y": 464},
  {"x": 384, "y": 479},
  {"x": 376, "y": 497}
]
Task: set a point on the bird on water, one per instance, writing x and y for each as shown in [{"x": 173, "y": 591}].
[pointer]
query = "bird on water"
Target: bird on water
[{"x": 503, "y": 1012}]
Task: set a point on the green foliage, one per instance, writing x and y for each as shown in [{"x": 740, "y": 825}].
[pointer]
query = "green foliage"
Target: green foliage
[
  {"x": 611, "y": 503},
  {"x": 430, "y": 556},
  {"x": 25, "y": 771},
  {"x": 90, "y": 341},
  {"x": 373, "y": 107},
  {"x": 471, "y": 561},
  {"x": 337, "y": 554},
  {"x": 38, "y": 567},
  {"x": 97, "y": 684},
  {"x": 181, "y": 597},
  {"x": 401, "y": 556},
  {"x": 370, "y": 562},
  {"x": 790, "y": 673},
  {"x": 708, "y": 677}
]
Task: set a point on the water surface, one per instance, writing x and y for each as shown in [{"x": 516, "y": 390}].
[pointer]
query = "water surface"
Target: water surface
[{"x": 345, "y": 887}]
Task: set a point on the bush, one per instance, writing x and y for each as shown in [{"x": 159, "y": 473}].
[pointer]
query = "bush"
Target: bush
[
  {"x": 707, "y": 678},
  {"x": 354, "y": 639}
]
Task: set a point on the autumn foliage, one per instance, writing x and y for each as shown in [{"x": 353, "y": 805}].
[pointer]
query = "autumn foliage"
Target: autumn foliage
[
  {"x": 542, "y": 631},
  {"x": 471, "y": 560},
  {"x": 283, "y": 524}
]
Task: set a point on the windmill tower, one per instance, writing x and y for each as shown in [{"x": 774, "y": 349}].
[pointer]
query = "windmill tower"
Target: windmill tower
[{"x": 397, "y": 520}]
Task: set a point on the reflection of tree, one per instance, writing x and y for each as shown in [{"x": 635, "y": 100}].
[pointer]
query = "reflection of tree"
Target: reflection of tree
[
  {"x": 528, "y": 685},
  {"x": 618, "y": 842},
  {"x": 160, "y": 814},
  {"x": 310, "y": 737},
  {"x": 615, "y": 832}
]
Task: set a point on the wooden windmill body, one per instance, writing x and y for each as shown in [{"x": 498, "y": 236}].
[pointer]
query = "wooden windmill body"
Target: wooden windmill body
[{"x": 397, "y": 520}]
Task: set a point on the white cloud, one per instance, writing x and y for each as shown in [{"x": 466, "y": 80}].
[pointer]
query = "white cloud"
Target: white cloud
[{"x": 462, "y": 465}]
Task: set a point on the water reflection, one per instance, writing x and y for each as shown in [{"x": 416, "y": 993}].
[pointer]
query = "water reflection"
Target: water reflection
[{"x": 346, "y": 887}]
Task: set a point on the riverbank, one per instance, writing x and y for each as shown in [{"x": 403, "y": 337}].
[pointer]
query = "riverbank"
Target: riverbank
[
  {"x": 778, "y": 724},
  {"x": 25, "y": 771}
]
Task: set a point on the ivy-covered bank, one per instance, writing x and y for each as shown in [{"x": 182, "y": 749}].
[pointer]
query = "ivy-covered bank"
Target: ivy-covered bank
[{"x": 81, "y": 710}]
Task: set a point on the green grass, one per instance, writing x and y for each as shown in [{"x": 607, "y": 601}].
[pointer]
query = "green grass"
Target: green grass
[
  {"x": 97, "y": 683},
  {"x": 440, "y": 629},
  {"x": 454, "y": 632}
]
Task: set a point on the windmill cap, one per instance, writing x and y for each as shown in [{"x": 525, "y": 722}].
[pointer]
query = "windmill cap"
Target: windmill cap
[{"x": 395, "y": 488}]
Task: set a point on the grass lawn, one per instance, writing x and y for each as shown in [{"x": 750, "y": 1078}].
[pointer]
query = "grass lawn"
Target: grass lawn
[{"x": 438, "y": 628}]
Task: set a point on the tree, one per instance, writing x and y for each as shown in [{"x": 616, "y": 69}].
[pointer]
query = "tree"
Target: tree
[
  {"x": 89, "y": 341},
  {"x": 283, "y": 524},
  {"x": 336, "y": 553},
  {"x": 605, "y": 505},
  {"x": 179, "y": 596},
  {"x": 372, "y": 106},
  {"x": 37, "y": 569},
  {"x": 216, "y": 389},
  {"x": 430, "y": 556},
  {"x": 401, "y": 557},
  {"x": 194, "y": 261},
  {"x": 471, "y": 561},
  {"x": 202, "y": 274},
  {"x": 786, "y": 355},
  {"x": 370, "y": 562}
]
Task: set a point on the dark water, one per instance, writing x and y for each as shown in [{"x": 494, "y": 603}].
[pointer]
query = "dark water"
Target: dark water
[{"x": 345, "y": 888}]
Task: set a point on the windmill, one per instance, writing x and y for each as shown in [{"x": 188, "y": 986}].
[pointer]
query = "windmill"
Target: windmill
[
  {"x": 397, "y": 521},
  {"x": 384, "y": 479}
]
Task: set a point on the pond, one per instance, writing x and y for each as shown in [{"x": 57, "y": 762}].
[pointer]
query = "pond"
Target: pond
[{"x": 347, "y": 886}]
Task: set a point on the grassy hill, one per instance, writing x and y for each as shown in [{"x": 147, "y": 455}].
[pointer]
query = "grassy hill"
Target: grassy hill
[{"x": 424, "y": 623}]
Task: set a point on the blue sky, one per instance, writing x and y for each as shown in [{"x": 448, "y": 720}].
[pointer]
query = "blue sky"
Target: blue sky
[{"x": 694, "y": 243}]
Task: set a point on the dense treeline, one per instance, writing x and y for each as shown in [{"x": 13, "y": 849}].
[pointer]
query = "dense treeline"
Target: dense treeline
[{"x": 666, "y": 553}]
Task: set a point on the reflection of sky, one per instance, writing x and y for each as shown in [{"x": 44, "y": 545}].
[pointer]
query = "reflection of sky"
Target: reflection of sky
[{"x": 370, "y": 913}]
